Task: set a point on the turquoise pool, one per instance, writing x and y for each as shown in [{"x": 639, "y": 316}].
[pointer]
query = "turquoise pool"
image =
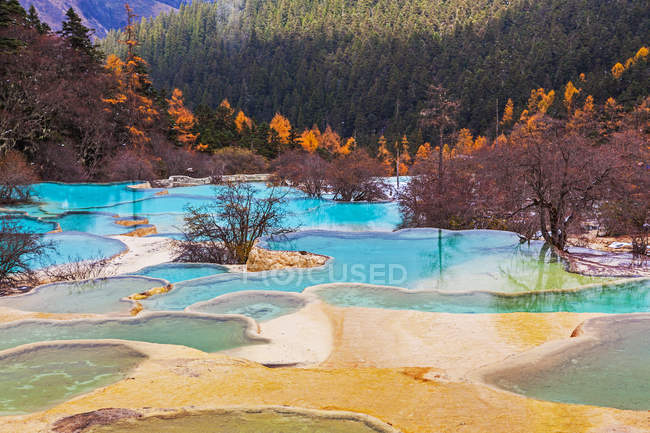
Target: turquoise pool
[
  {"x": 99, "y": 201},
  {"x": 612, "y": 370},
  {"x": 99, "y": 296},
  {"x": 41, "y": 377},
  {"x": 175, "y": 272},
  {"x": 77, "y": 246},
  {"x": 94, "y": 223},
  {"x": 206, "y": 333},
  {"x": 62, "y": 197},
  {"x": 29, "y": 224},
  {"x": 421, "y": 259}
]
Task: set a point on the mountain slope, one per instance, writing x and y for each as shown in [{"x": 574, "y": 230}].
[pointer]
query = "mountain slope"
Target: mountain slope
[
  {"x": 98, "y": 14},
  {"x": 364, "y": 66}
]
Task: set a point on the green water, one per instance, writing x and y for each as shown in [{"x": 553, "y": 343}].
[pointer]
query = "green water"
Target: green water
[
  {"x": 627, "y": 297},
  {"x": 259, "y": 306},
  {"x": 39, "y": 378},
  {"x": 202, "y": 333},
  {"x": 99, "y": 296},
  {"x": 613, "y": 372},
  {"x": 242, "y": 422}
]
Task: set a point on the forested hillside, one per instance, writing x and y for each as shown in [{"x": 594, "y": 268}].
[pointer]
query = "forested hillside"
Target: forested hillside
[{"x": 364, "y": 66}]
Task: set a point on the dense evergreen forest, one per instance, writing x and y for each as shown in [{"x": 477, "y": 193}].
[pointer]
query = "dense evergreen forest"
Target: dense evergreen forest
[{"x": 364, "y": 66}]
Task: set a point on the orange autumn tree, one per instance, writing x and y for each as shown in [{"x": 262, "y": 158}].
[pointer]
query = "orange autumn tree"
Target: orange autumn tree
[
  {"x": 385, "y": 156},
  {"x": 424, "y": 152},
  {"x": 404, "y": 156},
  {"x": 309, "y": 139},
  {"x": 282, "y": 126},
  {"x": 183, "y": 121},
  {"x": 350, "y": 146},
  {"x": 131, "y": 100},
  {"x": 330, "y": 140},
  {"x": 540, "y": 101},
  {"x": 570, "y": 91},
  {"x": 618, "y": 69},
  {"x": 465, "y": 142},
  {"x": 242, "y": 120},
  {"x": 508, "y": 113}
]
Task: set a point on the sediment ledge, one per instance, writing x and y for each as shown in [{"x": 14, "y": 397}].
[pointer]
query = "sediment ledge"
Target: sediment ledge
[{"x": 261, "y": 259}]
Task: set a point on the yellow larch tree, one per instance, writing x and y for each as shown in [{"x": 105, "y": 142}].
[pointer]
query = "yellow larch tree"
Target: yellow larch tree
[
  {"x": 309, "y": 139},
  {"x": 225, "y": 106},
  {"x": 642, "y": 53},
  {"x": 183, "y": 120},
  {"x": 242, "y": 120},
  {"x": 508, "y": 113},
  {"x": 136, "y": 109},
  {"x": 282, "y": 126},
  {"x": 405, "y": 159},
  {"x": 465, "y": 141},
  {"x": 570, "y": 91},
  {"x": 330, "y": 140},
  {"x": 617, "y": 70},
  {"x": 480, "y": 143},
  {"x": 385, "y": 157},
  {"x": 424, "y": 152},
  {"x": 540, "y": 101},
  {"x": 350, "y": 145}
]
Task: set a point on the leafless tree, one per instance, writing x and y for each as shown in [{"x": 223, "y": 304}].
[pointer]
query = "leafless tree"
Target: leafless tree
[
  {"x": 356, "y": 177},
  {"x": 235, "y": 221},
  {"x": 18, "y": 252},
  {"x": 440, "y": 113},
  {"x": 16, "y": 177},
  {"x": 554, "y": 172},
  {"x": 303, "y": 170}
]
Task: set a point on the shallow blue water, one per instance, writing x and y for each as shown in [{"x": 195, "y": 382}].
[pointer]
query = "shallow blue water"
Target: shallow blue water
[
  {"x": 175, "y": 272},
  {"x": 59, "y": 197},
  {"x": 76, "y": 246},
  {"x": 94, "y": 223},
  {"x": 29, "y": 224},
  {"x": 415, "y": 259}
]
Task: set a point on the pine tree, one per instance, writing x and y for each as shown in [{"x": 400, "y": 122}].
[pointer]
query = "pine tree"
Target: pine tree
[
  {"x": 34, "y": 21},
  {"x": 78, "y": 35},
  {"x": 10, "y": 12}
]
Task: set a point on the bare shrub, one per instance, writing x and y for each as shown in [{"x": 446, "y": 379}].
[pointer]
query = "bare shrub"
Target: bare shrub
[
  {"x": 16, "y": 177},
  {"x": 236, "y": 160},
  {"x": 356, "y": 177},
  {"x": 129, "y": 165},
  {"x": 77, "y": 269},
  {"x": 174, "y": 160},
  {"x": 441, "y": 200},
  {"x": 59, "y": 162},
  {"x": 18, "y": 251},
  {"x": 302, "y": 170},
  {"x": 226, "y": 230}
]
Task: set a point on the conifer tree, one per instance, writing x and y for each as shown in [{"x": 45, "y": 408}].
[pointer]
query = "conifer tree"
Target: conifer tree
[
  {"x": 10, "y": 12},
  {"x": 34, "y": 21},
  {"x": 78, "y": 35}
]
